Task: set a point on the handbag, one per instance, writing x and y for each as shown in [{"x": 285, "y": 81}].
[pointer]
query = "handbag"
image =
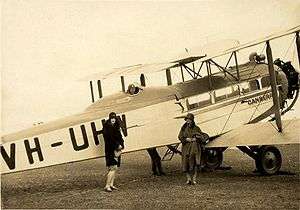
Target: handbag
[
  {"x": 117, "y": 153},
  {"x": 202, "y": 138}
]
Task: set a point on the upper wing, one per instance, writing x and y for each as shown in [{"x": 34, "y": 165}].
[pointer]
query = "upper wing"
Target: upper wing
[
  {"x": 211, "y": 51},
  {"x": 191, "y": 55},
  {"x": 253, "y": 43},
  {"x": 130, "y": 70},
  {"x": 139, "y": 69}
]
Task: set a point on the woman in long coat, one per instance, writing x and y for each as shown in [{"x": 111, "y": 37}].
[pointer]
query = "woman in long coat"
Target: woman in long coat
[
  {"x": 191, "y": 149},
  {"x": 114, "y": 143}
]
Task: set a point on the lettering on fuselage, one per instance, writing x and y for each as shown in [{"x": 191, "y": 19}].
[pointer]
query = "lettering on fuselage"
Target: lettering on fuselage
[
  {"x": 31, "y": 150},
  {"x": 258, "y": 99},
  {"x": 34, "y": 148},
  {"x": 10, "y": 160}
]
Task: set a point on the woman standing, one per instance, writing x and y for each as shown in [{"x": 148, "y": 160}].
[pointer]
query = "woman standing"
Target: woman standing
[
  {"x": 114, "y": 143},
  {"x": 191, "y": 150}
]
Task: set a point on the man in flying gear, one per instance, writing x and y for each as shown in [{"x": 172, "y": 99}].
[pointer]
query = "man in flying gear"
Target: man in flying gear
[
  {"x": 291, "y": 74},
  {"x": 283, "y": 87},
  {"x": 133, "y": 90}
]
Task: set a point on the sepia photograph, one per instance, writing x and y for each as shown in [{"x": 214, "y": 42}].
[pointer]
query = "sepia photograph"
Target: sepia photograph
[{"x": 150, "y": 104}]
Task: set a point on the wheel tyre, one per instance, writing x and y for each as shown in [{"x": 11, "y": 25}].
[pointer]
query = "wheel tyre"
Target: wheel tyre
[
  {"x": 213, "y": 158},
  {"x": 269, "y": 160}
]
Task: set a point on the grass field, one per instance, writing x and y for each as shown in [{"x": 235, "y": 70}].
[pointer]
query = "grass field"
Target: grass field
[{"x": 80, "y": 185}]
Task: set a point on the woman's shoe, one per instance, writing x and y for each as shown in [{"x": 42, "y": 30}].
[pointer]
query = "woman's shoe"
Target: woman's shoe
[
  {"x": 189, "y": 182},
  {"x": 113, "y": 188},
  {"x": 107, "y": 189}
]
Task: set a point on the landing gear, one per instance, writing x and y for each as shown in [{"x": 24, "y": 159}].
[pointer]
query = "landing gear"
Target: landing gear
[
  {"x": 212, "y": 158},
  {"x": 268, "y": 160}
]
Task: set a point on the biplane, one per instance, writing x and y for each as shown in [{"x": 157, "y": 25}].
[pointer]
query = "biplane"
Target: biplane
[{"x": 231, "y": 105}]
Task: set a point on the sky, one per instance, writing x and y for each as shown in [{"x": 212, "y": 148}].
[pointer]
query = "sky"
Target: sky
[{"x": 47, "y": 46}]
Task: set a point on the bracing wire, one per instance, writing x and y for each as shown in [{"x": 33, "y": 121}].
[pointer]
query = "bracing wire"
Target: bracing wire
[
  {"x": 284, "y": 56},
  {"x": 293, "y": 59},
  {"x": 256, "y": 107},
  {"x": 229, "y": 116},
  {"x": 288, "y": 49}
]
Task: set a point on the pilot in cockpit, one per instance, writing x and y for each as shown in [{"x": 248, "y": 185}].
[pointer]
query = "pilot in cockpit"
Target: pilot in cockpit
[{"x": 133, "y": 90}]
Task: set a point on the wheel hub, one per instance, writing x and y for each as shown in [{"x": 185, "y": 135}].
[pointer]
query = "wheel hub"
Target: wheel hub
[
  {"x": 213, "y": 158},
  {"x": 270, "y": 161}
]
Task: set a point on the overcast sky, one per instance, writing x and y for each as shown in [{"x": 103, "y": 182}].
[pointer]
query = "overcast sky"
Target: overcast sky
[{"x": 48, "y": 45}]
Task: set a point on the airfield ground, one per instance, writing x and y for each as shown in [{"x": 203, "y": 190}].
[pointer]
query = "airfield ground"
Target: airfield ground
[{"x": 80, "y": 185}]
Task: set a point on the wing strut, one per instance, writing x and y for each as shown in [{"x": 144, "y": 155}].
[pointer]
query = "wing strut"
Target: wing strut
[
  {"x": 274, "y": 87},
  {"x": 181, "y": 70},
  {"x": 236, "y": 66},
  {"x": 221, "y": 68},
  {"x": 169, "y": 77},
  {"x": 208, "y": 68},
  {"x": 143, "y": 80},
  {"x": 92, "y": 91},
  {"x": 123, "y": 83},
  {"x": 99, "y": 88},
  {"x": 263, "y": 115},
  {"x": 298, "y": 45}
]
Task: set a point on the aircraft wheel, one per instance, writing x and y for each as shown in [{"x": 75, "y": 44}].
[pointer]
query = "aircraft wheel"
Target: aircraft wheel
[
  {"x": 269, "y": 160},
  {"x": 213, "y": 158}
]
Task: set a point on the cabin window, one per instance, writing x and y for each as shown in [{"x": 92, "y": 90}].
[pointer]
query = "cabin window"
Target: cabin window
[
  {"x": 265, "y": 81},
  {"x": 201, "y": 100},
  {"x": 244, "y": 88},
  {"x": 235, "y": 91},
  {"x": 221, "y": 94},
  {"x": 227, "y": 92},
  {"x": 254, "y": 85}
]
